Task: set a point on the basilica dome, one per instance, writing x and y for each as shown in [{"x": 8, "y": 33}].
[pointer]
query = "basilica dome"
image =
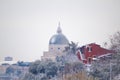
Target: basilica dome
[{"x": 59, "y": 38}]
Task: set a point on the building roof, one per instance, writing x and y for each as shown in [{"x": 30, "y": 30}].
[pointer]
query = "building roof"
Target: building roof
[{"x": 7, "y": 62}]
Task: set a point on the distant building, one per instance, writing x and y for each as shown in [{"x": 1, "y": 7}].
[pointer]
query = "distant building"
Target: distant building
[
  {"x": 5, "y": 77},
  {"x": 3, "y": 69},
  {"x": 12, "y": 72},
  {"x": 57, "y": 44},
  {"x": 8, "y": 58}
]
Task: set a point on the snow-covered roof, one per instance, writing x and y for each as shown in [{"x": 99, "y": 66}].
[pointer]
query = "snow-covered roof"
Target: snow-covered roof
[{"x": 8, "y": 62}]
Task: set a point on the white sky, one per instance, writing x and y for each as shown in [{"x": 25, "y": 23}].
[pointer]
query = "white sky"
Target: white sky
[{"x": 27, "y": 25}]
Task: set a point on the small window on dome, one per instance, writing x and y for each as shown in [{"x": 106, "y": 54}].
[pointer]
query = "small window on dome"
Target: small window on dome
[
  {"x": 51, "y": 48},
  {"x": 58, "y": 48}
]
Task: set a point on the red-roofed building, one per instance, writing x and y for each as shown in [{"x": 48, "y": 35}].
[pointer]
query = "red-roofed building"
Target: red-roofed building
[{"x": 92, "y": 51}]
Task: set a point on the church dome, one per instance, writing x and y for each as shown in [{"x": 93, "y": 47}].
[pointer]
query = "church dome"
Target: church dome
[{"x": 58, "y": 38}]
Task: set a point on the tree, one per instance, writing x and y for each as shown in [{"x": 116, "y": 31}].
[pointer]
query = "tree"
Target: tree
[
  {"x": 71, "y": 48},
  {"x": 10, "y": 70},
  {"x": 47, "y": 68},
  {"x": 51, "y": 69},
  {"x": 70, "y": 56},
  {"x": 110, "y": 66},
  {"x": 115, "y": 45},
  {"x": 100, "y": 70},
  {"x": 34, "y": 67},
  {"x": 28, "y": 76},
  {"x": 115, "y": 42}
]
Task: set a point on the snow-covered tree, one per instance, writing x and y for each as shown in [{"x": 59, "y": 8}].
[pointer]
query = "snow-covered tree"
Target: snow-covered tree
[
  {"x": 115, "y": 42},
  {"x": 110, "y": 66},
  {"x": 115, "y": 45},
  {"x": 42, "y": 70},
  {"x": 70, "y": 56},
  {"x": 71, "y": 48},
  {"x": 10, "y": 70}
]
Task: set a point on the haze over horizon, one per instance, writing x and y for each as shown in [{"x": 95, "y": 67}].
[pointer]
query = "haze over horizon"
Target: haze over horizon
[{"x": 26, "y": 25}]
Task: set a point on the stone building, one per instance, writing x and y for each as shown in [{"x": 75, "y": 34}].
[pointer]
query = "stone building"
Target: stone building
[{"x": 57, "y": 44}]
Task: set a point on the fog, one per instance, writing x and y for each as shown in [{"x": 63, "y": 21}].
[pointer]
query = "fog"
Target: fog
[{"x": 27, "y": 25}]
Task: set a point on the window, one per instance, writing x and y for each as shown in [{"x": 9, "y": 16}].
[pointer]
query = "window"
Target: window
[
  {"x": 94, "y": 56},
  {"x": 58, "y": 48},
  {"x": 89, "y": 48},
  {"x": 51, "y": 48},
  {"x": 89, "y": 60}
]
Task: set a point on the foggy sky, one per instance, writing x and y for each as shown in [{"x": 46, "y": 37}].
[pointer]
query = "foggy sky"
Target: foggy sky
[{"x": 27, "y": 25}]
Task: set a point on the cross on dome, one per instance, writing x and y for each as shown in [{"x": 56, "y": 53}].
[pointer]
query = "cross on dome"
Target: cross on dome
[
  {"x": 59, "y": 38},
  {"x": 59, "y": 29}
]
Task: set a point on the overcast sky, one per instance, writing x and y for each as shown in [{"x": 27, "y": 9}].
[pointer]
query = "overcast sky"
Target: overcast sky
[{"x": 27, "y": 25}]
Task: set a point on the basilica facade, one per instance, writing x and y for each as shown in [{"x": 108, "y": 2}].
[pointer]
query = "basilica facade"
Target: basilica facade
[{"x": 57, "y": 44}]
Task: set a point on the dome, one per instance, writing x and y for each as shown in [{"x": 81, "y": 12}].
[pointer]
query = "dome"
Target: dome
[{"x": 58, "y": 38}]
